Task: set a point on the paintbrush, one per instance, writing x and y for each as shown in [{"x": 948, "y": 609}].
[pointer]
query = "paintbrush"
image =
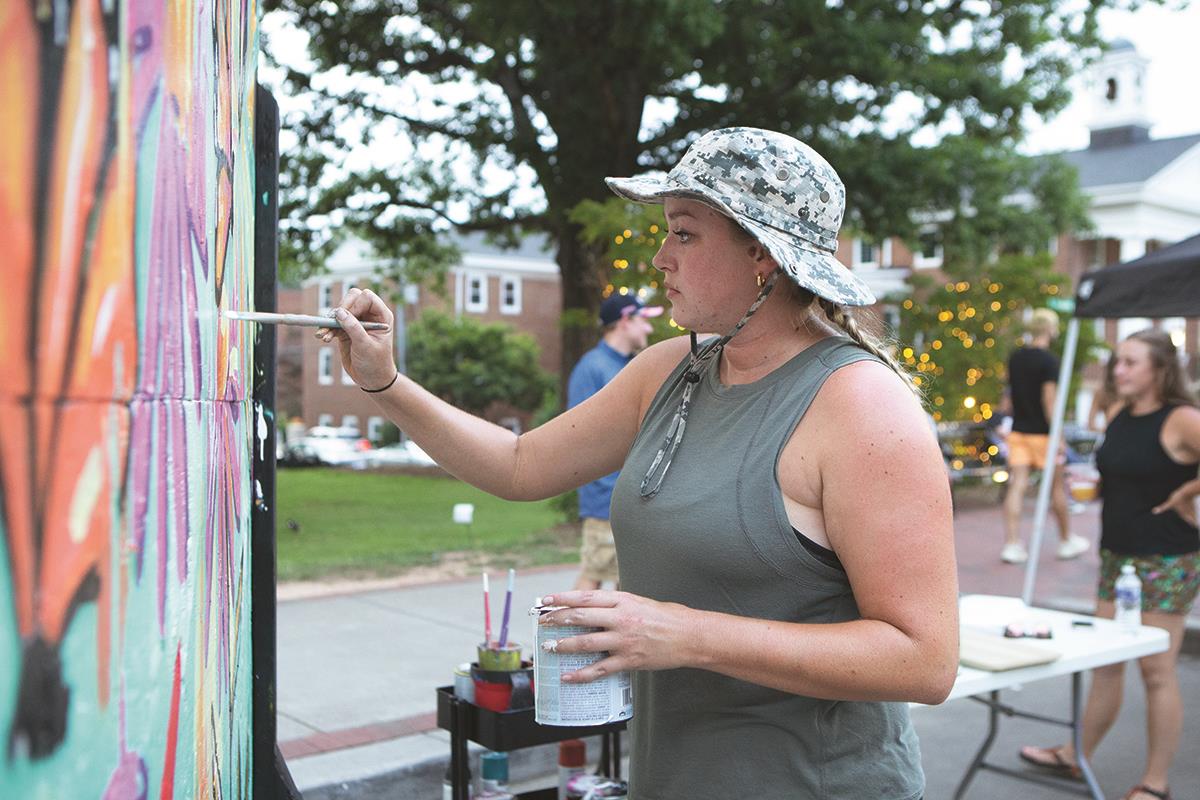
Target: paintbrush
[
  {"x": 307, "y": 320},
  {"x": 487, "y": 615},
  {"x": 512, "y": 573}
]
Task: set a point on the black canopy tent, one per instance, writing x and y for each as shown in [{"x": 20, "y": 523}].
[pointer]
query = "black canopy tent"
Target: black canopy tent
[{"x": 1165, "y": 283}]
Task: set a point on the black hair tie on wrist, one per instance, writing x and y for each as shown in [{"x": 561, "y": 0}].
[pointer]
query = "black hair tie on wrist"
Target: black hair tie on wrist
[{"x": 383, "y": 388}]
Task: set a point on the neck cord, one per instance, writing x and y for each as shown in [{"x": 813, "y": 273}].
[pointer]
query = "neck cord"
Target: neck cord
[{"x": 691, "y": 376}]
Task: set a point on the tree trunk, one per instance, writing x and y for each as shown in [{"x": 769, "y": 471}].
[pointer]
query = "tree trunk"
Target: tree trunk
[{"x": 582, "y": 284}]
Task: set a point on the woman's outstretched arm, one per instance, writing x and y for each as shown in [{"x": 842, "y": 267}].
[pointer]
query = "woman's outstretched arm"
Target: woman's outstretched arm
[{"x": 578, "y": 446}]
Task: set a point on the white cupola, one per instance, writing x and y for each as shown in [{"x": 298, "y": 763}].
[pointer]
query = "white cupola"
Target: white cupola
[{"x": 1116, "y": 86}]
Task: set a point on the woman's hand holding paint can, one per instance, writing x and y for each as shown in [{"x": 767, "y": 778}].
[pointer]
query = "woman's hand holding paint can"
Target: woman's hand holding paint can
[{"x": 635, "y": 632}]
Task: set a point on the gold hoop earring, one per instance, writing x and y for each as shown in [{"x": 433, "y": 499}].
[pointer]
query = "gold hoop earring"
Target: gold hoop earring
[{"x": 760, "y": 279}]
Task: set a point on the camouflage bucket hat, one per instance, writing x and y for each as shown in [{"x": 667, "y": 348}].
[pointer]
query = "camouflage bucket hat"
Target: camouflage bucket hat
[{"x": 778, "y": 189}]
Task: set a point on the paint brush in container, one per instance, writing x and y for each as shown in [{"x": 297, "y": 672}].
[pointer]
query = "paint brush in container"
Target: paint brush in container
[
  {"x": 512, "y": 575},
  {"x": 487, "y": 614},
  {"x": 305, "y": 320}
]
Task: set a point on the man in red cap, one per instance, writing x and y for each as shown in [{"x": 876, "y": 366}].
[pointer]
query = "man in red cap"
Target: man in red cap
[{"x": 625, "y": 330}]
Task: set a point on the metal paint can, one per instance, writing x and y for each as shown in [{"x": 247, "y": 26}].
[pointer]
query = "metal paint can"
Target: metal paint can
[{"x": 609, "y": 699}]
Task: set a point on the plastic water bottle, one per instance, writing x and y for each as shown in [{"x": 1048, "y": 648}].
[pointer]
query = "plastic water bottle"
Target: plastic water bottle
[{"x": 1129, "y": 598}]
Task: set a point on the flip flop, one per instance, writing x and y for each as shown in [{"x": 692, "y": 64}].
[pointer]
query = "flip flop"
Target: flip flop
[
  {"x": 1058, "y": 765},
  {"x": 1165, "y": 794}
]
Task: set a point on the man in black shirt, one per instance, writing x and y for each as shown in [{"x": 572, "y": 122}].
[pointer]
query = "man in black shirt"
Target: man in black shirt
[{"x": 1033, "y": 383}]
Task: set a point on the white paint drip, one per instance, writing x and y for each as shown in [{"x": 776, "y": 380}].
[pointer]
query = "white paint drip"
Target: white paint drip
[
  {"x": 262, "y": 433},
  {"x": 234, "y": 365},
  {"x": 87, "y": 492}
]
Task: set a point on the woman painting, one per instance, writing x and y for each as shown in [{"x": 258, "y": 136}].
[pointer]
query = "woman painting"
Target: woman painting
[{"x": 782, "y": 517}]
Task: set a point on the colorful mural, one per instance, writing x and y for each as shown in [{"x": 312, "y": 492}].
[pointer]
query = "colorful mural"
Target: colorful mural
[{"x": 126, "y": 222}]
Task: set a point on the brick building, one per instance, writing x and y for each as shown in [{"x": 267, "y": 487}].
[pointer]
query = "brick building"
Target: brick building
[{"x": 519, "y": 287}]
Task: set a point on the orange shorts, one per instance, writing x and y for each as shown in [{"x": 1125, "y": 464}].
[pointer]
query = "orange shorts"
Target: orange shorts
[{"x": 1027, "y": 449}]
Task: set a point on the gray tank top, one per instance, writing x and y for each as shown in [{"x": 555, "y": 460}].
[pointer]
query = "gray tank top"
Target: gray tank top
[{"x": 717, "y": 537}]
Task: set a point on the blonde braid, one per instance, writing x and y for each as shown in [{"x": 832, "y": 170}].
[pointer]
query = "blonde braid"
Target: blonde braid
[{"x": 844, "y": 319}]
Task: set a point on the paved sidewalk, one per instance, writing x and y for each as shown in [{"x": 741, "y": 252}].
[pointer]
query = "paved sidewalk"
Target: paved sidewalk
[{"x": 357, "y": 672}]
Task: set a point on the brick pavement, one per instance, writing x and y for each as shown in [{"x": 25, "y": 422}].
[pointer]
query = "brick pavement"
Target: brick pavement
[{"x": 1071, "y": 584}]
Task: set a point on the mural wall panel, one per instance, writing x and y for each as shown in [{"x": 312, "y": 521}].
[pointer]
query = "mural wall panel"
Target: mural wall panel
[{"x": 126, "y": 221}]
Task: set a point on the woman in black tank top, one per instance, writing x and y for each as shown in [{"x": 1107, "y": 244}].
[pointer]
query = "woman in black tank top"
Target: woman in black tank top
[{"x": 1148, "y": 466}]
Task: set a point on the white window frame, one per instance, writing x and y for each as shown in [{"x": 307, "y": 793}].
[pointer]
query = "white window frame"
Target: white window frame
[
  {"x": 480, "y": 306},
  {"x": 857, "y": 253},
  {"x": 325, "y": 366},
  {"x": 350, "y": 421},
  {"x": 374, "y": 428},
  {"x": 1130, "y": 325},
  {"x": 324, "y": 296},
  {"x": 325, "y": 420},
  {"x": 515, "y": 306},
  {"x": 923, "y": 261}
]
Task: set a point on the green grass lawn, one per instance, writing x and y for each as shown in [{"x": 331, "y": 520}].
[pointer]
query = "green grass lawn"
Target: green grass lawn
[{"x": 363, "y": 524}]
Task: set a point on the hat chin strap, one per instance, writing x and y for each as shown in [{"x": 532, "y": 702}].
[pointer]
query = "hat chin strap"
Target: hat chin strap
[
  {"x": 699, "y": 355},
  {"x": 691, "y": 376}
]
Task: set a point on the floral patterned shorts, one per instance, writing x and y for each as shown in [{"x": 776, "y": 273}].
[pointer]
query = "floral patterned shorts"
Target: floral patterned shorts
[{"x": 1169, "y": 583}]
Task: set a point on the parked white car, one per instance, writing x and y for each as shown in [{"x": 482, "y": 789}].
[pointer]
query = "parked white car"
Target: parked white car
[
  {"x": 405, "y": 454},
  {"x": 336, "y": 447}
]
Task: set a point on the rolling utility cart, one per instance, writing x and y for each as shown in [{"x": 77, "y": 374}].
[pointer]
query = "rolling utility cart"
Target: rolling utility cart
[{"x": 503, "y": 731}]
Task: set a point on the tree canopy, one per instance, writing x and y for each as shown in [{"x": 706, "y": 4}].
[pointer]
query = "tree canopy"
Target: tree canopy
[
  {"x": 473, "y": 365},
  {"x": 505, "y": 116}
]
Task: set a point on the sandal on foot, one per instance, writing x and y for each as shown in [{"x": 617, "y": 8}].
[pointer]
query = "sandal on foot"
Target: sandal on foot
[
  {"x": 1164, "y": 794},
  {"x": 1055, "y": 763}
]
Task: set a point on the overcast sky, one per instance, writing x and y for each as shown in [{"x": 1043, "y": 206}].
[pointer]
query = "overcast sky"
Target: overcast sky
[
  {"x": 1168, "y": 36},
  {"x": 1170, "y": 39}
]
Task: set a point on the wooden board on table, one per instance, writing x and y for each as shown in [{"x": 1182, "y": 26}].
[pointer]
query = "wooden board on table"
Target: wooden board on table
[{"x": 996, "y": 653}]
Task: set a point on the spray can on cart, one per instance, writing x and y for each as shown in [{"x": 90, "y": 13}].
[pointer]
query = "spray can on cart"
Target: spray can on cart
[
  {"x": 572, "y": 761},
  {"x": 494, "y": 777}
]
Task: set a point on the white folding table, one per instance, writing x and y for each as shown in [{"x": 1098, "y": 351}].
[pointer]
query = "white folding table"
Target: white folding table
[{"x": 1085, "y": 647}]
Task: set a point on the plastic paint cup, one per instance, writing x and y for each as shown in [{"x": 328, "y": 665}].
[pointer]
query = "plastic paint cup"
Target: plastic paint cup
[
  {"x": 1083, "y": 482},
  {"x": 494, "y": 659},
  {"x": 1084, "y": 492},
  {"x": 492, "y": 696},
  {"x": 503, "y": 691}
]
